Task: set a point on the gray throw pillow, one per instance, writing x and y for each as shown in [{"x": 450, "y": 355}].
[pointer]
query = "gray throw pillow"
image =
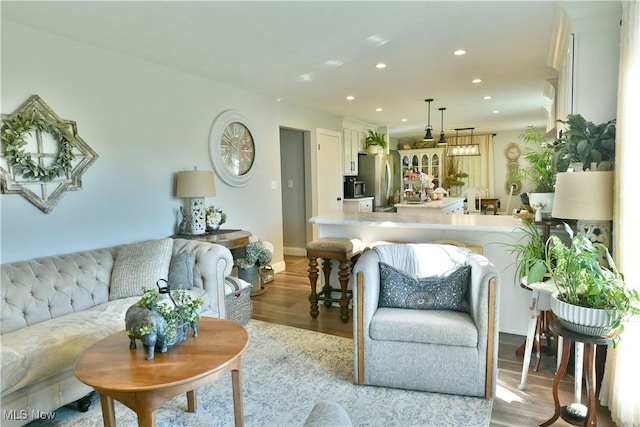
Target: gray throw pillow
[
  {"x": 181, "y": 271},
  {"x": 138, "y": 266},
  {"x": 401, "y": 290}
]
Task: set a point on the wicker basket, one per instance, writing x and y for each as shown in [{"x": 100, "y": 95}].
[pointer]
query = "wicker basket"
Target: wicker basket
[{"x": 237, "y": 300}]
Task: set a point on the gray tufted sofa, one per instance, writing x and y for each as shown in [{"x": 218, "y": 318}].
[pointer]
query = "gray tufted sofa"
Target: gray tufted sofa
[{"x": 55, "y": 307}]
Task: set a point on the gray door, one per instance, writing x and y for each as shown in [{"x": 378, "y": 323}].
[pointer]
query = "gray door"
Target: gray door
[{"x": 292, "y": 174}]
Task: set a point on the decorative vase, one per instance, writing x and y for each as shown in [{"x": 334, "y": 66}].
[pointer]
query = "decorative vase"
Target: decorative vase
[
  {"x": 252, "y": 275},
  {"x": 213, "y": 227},
  {"x": 584, "y": 320}
]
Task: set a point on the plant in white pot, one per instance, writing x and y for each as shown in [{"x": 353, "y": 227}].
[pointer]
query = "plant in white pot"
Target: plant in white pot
[
  {"x": 592, "y": 299},
  {"x": 375, "y": 142},
  {"x": 540, "y": 169}
]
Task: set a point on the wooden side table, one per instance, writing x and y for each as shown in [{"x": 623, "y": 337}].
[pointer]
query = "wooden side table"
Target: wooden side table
[
  {"x": 590, "y": 344},
  {"x": 234, "y": 240}
]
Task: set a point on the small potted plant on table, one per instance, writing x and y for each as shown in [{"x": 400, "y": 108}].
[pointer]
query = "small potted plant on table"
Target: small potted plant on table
[{"x": 258, "y": 255}]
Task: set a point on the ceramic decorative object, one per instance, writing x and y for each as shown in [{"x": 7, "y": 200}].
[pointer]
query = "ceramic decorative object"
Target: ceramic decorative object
[{"x": 542, "y": 202}]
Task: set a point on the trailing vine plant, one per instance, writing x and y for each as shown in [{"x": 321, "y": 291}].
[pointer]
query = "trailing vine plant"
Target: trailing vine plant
[{"x": 16, "y": 128}]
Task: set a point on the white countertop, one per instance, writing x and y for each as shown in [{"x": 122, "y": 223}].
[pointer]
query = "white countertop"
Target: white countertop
[
  {"x": 500, "y": 223},
  {"x": 358, "y": 199},
  {"x": 432, "y": 204}
]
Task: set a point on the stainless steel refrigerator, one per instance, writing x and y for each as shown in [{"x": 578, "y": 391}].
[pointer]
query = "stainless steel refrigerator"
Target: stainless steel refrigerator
[{"x": 381, "y": 175}]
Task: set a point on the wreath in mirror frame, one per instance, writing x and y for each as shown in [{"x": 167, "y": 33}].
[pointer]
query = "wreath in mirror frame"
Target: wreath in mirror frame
[
  {"x": 16, "y": 128},
  {"x": 50, "y": 174}
]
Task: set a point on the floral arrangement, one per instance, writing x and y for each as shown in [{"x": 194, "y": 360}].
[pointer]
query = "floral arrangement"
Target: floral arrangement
[
  {"x": 258, "y": 253},
  {"x": 215, "y": 217},
  {"x": 454, "y": 176},
  {"x": 182, "y": 310}
]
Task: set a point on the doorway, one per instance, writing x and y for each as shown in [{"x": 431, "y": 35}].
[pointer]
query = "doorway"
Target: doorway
[{"x": 293, "y": 175}]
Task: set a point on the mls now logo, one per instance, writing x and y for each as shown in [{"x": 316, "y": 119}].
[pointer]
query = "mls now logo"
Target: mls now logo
[{"x": 27, "y": 414}]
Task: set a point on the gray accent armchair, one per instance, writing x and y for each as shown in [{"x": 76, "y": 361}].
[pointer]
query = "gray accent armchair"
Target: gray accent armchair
[{"x": 429, "y": 350}]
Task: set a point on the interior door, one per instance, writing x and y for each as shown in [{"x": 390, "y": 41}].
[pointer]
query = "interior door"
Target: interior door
[{"x": 329, "y": 172}]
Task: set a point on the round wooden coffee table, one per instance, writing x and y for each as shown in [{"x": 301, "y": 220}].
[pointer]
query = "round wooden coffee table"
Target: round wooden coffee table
[{"x": 123, "y": 374}]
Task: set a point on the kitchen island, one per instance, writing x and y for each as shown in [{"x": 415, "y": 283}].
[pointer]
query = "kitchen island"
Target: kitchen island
[
  {"x": 492, "y": 232},
  {"x": 448, "y": 205}
]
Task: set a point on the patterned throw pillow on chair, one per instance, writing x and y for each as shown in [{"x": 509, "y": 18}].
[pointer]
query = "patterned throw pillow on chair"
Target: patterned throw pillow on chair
[{"x": 401, "y": 290}]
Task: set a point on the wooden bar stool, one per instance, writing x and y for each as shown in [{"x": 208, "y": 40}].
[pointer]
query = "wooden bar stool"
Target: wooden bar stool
[{"x": 345, "y": 252}]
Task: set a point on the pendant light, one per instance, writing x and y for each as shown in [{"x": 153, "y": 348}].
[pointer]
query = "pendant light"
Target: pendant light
[
  {"x": 427, "y": 136},
  {"x": 470, "y": 149},
  {"x": 442, "y": 140}
]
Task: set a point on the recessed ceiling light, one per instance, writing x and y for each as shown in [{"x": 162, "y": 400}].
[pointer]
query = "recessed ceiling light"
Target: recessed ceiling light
[
  {"x": 459, "y": 52},
  {"x": 350, "y": 98},
  {"x": 476, "y": 80},
  {"x": 381, "y": 65},
  {"x": 495, "y": 111},
  {"x": 403, "y": 120},
  {"x": 378, "y": 109},
  {"x": 487, "y": 97}
]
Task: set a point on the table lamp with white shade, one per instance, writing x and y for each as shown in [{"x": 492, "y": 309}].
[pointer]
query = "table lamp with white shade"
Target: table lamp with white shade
[
  {"x": 195, "y": 185},
  {"x": 588, "y": 198}
]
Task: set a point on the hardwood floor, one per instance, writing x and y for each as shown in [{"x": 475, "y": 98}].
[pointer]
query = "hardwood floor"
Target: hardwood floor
[{"x": 285, "y": 302}]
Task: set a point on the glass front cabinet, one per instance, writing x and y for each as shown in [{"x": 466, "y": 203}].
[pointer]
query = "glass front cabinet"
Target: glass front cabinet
[{"x": 426, "y": 161}]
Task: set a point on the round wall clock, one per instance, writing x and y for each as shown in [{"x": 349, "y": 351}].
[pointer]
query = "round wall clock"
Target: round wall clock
[
  {"x": 512, "y": 152},
  {"x": 232, "y": 148}
]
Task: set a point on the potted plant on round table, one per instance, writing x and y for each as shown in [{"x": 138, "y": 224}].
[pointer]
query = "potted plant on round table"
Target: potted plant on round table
[
  {"x": 541, "y": 169},
  {"x": 592, "y": 297}
]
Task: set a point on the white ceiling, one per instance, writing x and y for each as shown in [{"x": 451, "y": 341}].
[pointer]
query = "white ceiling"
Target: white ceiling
[{"x": 317, "y": 53}]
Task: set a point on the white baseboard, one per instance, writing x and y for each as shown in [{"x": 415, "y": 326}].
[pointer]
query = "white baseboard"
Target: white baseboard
[{"x": 295, "y": 251}]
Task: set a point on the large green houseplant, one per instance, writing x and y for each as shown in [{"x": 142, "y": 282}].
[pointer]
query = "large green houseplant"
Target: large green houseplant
[
  {"x": 586, "y": 277},
  {"x": 540, "y": 168},
  {"x": 585, "y": 142}
]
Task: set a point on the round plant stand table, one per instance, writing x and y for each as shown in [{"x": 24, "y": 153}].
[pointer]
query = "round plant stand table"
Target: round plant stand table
[{"x": 590, "y": 344}]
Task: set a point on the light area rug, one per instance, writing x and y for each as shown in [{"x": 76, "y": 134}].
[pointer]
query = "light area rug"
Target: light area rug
[{"x": 285, "y": 371}]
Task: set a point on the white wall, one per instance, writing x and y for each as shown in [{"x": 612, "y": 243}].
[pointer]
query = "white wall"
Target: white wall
[
  {"x": 146, "y": 122},
  {"x": 596, "y": 52}
]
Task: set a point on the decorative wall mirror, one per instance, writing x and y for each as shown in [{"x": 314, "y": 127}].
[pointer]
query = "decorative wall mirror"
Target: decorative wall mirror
[{"x": 42, "y": 155}]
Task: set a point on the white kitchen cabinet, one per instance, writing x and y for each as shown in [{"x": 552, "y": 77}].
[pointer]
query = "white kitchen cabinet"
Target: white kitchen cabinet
[
  {"x": 362, "y": 204},
  {"x": 352, "y": 141},
  {"x": 428, "y": 161}
]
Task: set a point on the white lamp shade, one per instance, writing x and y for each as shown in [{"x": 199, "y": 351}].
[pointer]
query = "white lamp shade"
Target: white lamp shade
[
  {"x": 195, "y": 184},
  {"x": 586, "y": 196}
]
